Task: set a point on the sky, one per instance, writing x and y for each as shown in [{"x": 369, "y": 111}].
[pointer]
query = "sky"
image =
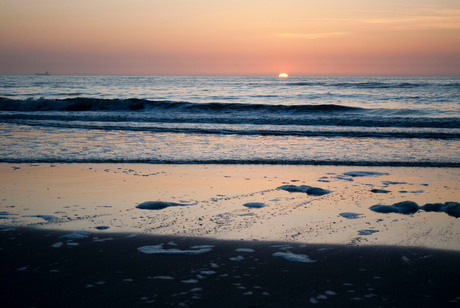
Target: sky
[{"x": 238, "y": 37}]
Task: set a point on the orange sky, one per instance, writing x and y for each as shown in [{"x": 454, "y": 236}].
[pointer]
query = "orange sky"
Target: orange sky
[{"x": 238, "y": 37}]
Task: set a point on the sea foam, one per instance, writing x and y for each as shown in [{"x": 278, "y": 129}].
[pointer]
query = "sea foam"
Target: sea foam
[{"x": 159, "y": 250}]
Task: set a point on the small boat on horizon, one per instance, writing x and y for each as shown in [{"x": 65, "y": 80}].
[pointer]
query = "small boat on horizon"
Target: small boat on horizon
[{"x": 43, "y": 74}]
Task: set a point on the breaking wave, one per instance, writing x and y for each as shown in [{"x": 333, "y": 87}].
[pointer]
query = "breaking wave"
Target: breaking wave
[
  {"x": 135, "y": 104},
  {"x": 372, "y": 85},
  {"x": 134, "y": 110}
]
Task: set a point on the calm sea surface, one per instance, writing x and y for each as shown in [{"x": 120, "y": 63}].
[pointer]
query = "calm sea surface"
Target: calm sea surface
[{"x": 231, "y": 120}]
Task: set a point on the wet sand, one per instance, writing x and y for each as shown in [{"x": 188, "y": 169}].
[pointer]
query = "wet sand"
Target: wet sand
[
  {"x": 87, "y": 235},
  {"x": 47, "y": 269},
  {"x": 266, "y": 203}
]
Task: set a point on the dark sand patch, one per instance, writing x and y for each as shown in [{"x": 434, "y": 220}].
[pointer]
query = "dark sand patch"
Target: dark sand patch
[{"x": 115, "y": 273}]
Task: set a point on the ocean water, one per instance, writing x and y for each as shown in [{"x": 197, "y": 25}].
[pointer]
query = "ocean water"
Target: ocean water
[{"x": 231, "y": 120}]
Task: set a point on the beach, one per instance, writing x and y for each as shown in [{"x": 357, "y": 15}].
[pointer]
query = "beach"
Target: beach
[
  {"x": 229, "y": 191},
  {"x": 215, "y": 201},
  {"x": 226, "y": 235},
  {"x": 40, "y": 268}
]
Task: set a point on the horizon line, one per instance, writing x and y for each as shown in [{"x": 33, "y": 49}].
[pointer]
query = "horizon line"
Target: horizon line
[{"x": 291, "y": 75}]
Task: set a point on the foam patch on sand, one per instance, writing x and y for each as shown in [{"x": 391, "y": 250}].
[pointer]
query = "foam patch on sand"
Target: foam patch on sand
[
  {"x": 367, "y": 232},
  {"x": 404, "y": 207},
  {"x": 309, "y": 190},
  {"x": 49, "y": 218},
  {"x": 208, "y": 273},
  {"x": 244, "y": 250},
  {"x": 293, "y": 257},
  {"x": 364, "y": 173},
  {"x": 7, "y": 215},
  {"x": 450, "y": 208},
  {"x": 388, "y": 183},
  {"x": 410, "y": 207},
  {"x": 99, "y": 240},
  {"x": 163, "y": 277},
  {"x": 75, "y": 235},
  {"x": 411, "y": 192},
  {"x": 282, "y": 246},
  {"x": 202, "y": 247},
  {"x": 237, "y": 258},
  {"x": 380, "y": 191},
  {"x": 158, "y": 205},
  {"x": 189, "y": 281},
  {"x": 255, "y": 205},
  {"x": 159, "y": 250},
  {"x": 350, "y": 215}
]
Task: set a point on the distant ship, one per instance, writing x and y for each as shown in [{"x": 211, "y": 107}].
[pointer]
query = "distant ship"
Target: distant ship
[{"x": 43, "y": 74}]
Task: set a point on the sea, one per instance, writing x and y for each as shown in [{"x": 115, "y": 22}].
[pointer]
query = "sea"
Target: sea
[{"x": 355, "y": 121}]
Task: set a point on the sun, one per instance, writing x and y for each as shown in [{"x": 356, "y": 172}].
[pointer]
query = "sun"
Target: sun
[{"x": 283, "y": 75}]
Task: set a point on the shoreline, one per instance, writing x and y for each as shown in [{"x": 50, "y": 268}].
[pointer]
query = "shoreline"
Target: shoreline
[
  {"x": 258, "y": 162},
  {"x": 47, "y": 268}
]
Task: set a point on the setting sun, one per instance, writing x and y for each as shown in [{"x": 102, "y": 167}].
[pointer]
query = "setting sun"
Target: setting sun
[{"x": 283, "y": 75}]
